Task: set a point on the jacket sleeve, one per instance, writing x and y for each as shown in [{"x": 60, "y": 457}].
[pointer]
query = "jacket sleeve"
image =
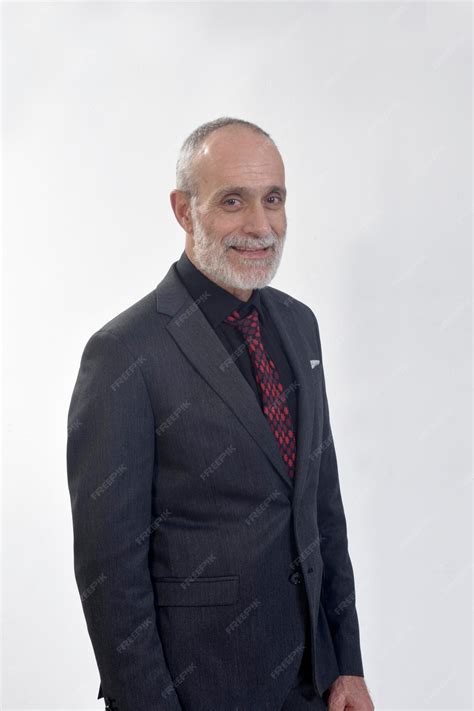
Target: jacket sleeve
[
  {"x": 338, "y": 588},
  {"x": 110, "y": 459}
]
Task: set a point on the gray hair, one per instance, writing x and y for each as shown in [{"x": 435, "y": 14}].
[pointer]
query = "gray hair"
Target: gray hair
[{"x": 184, "y": 173}]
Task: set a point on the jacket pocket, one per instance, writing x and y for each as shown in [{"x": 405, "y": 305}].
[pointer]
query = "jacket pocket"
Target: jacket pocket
[{"x": 221, "y": 590}]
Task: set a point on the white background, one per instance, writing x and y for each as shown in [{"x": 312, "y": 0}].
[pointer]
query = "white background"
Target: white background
[{"x": 370, "y": 105}]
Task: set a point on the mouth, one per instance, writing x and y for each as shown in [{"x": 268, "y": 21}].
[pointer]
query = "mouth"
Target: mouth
[{"x": 252, "y": 253}]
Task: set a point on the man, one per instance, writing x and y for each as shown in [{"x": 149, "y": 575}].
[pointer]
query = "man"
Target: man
[{"x": 209, "y": 533}]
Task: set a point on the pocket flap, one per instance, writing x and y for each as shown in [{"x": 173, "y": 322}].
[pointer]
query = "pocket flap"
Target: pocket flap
[{"x": 222, "y": 590}]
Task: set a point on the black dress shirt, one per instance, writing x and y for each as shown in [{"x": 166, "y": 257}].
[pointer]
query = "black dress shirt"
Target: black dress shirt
[{"x": 219, "y": 304}]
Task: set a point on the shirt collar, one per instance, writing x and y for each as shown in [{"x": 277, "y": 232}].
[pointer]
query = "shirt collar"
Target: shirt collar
[{"x": 219, "y": 302}]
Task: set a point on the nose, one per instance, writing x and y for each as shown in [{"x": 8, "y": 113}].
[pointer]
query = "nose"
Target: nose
[{"x": 257, "y": 222}]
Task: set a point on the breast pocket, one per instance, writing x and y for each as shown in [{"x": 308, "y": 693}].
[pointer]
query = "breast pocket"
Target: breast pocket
[{"x": 220, "y": 590}]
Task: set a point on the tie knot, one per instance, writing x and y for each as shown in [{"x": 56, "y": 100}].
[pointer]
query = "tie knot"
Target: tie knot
[
  {"x": 237, "y": 320},
  {"x": 247, "y": 324}
]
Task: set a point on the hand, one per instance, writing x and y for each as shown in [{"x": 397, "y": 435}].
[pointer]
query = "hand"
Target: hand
[{"x": 351, "y": 693}]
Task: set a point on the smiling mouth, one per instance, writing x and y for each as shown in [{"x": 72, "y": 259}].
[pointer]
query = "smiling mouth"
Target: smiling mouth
[{"x": 243, "y": 249}]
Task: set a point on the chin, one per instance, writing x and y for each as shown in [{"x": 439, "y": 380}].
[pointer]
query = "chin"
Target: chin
[{"x": 255, "y": 278}]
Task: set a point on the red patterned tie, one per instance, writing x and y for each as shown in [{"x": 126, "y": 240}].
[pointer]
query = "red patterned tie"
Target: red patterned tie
[{"x": 267, "y": 377}]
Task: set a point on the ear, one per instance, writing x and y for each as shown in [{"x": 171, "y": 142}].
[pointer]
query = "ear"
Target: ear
[{"x": 180, "y": 203}]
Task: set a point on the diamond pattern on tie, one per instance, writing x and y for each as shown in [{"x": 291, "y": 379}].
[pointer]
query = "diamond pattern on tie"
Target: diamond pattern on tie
[{"x": 266, "y": 374}]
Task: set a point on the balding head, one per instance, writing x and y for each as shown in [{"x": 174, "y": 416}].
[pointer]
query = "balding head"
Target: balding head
[{"x": 222, "y": 131}]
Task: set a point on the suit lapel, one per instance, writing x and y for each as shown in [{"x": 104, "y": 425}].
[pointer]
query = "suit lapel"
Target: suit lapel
[
  {"x": 204, "y": 349},
  {"x": 298, "y": 354}
]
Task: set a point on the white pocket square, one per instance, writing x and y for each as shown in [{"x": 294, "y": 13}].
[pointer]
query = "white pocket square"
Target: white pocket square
[{"x": 314, "y": 363}]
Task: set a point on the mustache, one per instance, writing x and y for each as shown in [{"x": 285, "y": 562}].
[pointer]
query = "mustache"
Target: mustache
[{"x": 252, "y": 243}]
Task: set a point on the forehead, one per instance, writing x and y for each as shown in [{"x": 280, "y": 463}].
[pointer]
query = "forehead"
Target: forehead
[{"x": 236, "y": 156}]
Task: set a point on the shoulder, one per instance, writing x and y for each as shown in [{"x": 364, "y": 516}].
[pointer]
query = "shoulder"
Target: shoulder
[
  {"x": 134, "y": 318},
  {"x": 130, "y": 328}
]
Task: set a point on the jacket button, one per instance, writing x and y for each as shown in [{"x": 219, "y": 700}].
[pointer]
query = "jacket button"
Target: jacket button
[{"x": 295, "y": 578}]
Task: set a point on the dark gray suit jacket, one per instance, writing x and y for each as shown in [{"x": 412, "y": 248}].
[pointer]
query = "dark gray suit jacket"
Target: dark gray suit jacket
[{"x": 199, "y": 563}]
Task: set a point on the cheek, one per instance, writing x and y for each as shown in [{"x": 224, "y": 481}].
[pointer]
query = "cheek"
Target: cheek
[
  {"x": 225, "y": 226},
  {"x": 279, "y": 223}
]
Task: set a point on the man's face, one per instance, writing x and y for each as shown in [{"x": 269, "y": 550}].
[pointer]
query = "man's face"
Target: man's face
[{"x": 239, "y": 220}]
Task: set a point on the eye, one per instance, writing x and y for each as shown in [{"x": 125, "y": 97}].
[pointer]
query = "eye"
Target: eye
[
  {"x": 277, "y": 199},
  {"x": 229, "y": 200}
]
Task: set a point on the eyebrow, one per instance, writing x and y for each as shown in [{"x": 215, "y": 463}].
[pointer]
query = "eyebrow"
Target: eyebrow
[{"x": 227, "y": 189}]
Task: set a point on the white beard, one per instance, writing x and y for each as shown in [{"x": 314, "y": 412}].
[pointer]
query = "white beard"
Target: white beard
[{"x": 211, "y": 257}]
